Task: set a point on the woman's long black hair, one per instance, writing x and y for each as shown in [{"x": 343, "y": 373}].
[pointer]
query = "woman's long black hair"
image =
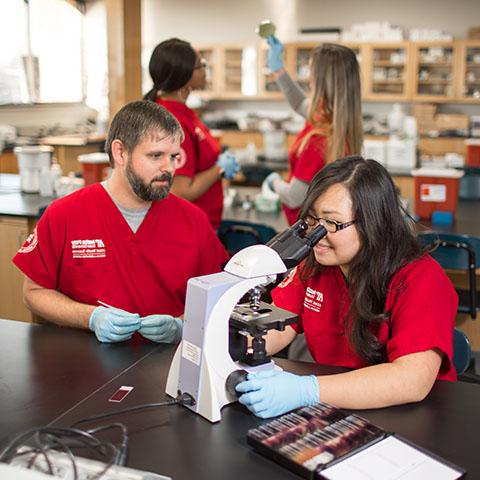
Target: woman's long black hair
[
  {"x": 171, "y": 66},
  {"x": 387, "y": 242}
]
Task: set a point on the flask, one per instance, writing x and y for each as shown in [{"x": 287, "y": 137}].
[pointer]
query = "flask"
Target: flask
[{"x": 265, "y": 29}]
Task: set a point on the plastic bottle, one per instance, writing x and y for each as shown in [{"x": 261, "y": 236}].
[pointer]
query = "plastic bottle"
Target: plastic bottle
[
  {"x": 247, "y": 204},
  {"x": 395, "y": 119},
  {"x": 250, "y": 153},
  {"x": 56, "y": 175},
  {"x": 46, "y": 185}
]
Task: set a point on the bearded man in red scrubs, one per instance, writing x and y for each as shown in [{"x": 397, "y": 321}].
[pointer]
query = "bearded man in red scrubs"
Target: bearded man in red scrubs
[{"x": 115, "y": 257}]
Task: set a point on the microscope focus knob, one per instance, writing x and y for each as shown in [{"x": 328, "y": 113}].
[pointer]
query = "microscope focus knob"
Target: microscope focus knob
[{"x": 236, "y": 377}]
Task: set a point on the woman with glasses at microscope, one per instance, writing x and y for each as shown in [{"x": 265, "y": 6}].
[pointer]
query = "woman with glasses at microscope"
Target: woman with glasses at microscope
[
  {"x": 333, "y": 115},
  {"x": 177, "y": 69},
  {"x": 367, "y": 298}
]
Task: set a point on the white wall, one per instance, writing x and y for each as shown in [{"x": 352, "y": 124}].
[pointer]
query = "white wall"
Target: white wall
[
  {"x": 452, "y": 16},
  {"x": 235, "y": 20}
]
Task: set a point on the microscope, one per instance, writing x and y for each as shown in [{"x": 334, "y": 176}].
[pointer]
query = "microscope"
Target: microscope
[{"x": 223, "y": 309}]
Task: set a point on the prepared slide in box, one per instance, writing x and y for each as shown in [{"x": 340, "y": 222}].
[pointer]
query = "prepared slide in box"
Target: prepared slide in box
[{"x": 324, "y": 442}]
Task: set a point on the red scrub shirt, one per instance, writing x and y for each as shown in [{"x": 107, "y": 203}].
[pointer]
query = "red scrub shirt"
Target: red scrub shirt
[
  {"x": 421, "y": 301},
  {"x": 84, "y": 248},
  {"x": 200, "y": 152},
  {"x": 306, "y": 164}
]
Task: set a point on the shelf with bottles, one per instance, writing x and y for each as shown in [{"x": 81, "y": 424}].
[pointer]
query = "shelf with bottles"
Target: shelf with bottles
[
  {"x": 434, "y": 71},
  {"x": 392, "y": 72},
  {"x": 386, "y": 71},
  {"x": 469, "y": 71}
]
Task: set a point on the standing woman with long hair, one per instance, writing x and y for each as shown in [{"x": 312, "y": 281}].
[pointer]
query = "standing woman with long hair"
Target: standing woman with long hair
[
  {"x": 333, "y": 115},
  {"x": 367, "y": 298},
  {"x": 177, "y": 69}
]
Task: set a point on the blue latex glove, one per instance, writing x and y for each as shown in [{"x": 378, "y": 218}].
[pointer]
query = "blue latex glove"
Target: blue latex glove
[
  {"x": 269, "y": 179},
  {"x": 275, "y": 54},
  {"x": 270, "y": 393},
  {"x": 228, "y": 163},
  {"x": 113, "y": 324},
  {"x": 161, "y": 328}
]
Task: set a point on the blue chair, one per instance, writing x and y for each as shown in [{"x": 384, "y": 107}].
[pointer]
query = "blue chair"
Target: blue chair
[
  {"x": 457, "y": 252},
  {"x": 462, "y": 352},
  {"x": 236, "y": 235}
]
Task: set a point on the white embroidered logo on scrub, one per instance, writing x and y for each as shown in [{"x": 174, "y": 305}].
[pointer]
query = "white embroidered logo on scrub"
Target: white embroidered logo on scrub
[
  {"x": 88, "y": 249},
  {"x": 313, "y": 299},
  {"x": 30, "y": 243}
]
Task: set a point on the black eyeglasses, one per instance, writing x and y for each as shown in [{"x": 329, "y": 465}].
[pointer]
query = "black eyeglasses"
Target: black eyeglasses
[
  {"x": 202, "y": 63},
  {"x": 330, "y": 225}
]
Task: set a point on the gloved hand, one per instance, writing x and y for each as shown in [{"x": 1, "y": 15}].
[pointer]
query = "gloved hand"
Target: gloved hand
[
  {"x": 275, "y": 54},
  {"x": 161, "y": 328},
  {"x": 228, "y": 163},
  {"x": 270, "y": 393},
  {"x": 270, "y": 178},
  {"x": 113, "y": 324}
]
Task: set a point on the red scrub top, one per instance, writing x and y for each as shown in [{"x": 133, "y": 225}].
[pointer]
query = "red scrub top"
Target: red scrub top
[
  {"x": 421, "y": 301},
  {"x": 84, "y": 247},
  {"x": 200, "y": 151},
  {"x": 305, "y": 165}
]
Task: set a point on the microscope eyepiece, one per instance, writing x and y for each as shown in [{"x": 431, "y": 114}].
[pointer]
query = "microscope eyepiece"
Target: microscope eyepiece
[
  {"x": 316, "y": 235},
  {"x": 294, "y": 243}
]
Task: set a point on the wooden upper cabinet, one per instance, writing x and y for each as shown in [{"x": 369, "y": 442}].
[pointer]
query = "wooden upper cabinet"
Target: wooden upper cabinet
[
  {"x": 232, "y": 71},
  {"x": 390, "y": 71},
  {"x": 434, "y": 70},
  {"x": 211, "y": 54},
  {"x": 386, "y": 69},
  {"x": 468, "y": 84}
]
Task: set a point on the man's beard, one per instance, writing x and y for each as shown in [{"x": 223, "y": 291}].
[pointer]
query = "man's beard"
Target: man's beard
[{"x": 148, "y": 191}]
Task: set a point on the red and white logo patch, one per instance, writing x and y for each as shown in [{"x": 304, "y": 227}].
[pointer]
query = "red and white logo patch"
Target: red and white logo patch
[
  {"x": 288, "y": 279},
  {"x": 30, "y": 243}
]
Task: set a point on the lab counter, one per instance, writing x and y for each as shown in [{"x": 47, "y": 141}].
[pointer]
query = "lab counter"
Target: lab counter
[
  {"x": 18, "y": 217},
  {"x": 16, "y": 203},
  {"x": 57, "y": 376},
  {"x": 67, "y": 148}
]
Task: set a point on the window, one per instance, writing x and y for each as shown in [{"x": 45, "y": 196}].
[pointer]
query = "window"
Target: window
[{"x": 44, "y": 58}]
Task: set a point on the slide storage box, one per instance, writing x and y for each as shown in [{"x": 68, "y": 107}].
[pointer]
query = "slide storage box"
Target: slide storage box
[{"x": 436, "y": 190}]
